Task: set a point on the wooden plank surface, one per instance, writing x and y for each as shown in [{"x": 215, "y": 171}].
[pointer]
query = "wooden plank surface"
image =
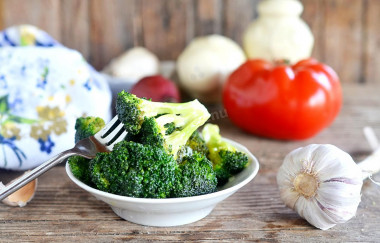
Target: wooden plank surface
[
  {"x": 44, "y": 14},
  {"x": 75, "y": 29},
  {"x": 111, "y": 29},
  {"x": 165, "y": 25},
  {"x": 208, "y": 17},
  {"x": 62, "y": 212},
  {"x": 343, "y": 28},
  {"x": 235, "y": 21},
  {"x": 372, "y": 41}
]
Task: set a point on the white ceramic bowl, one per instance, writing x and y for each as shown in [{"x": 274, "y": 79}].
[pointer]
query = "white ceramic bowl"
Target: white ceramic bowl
[{"x": 172, "y": 211}]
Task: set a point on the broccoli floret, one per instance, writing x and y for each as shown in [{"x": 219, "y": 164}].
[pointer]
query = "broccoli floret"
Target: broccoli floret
[
  {"x": 197, "y": 143},
  {"x": 134, "y": 170},
  {"x": 168, "y": 125},
  {"x": 195, "y": 176},
  {"x": 80, "y": 168},
  {"x": 226, "y": 160},
  {"x": 87, "y": 126}
]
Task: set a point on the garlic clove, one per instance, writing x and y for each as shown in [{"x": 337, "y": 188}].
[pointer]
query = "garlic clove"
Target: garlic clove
[{"x": 22, "y": 196}]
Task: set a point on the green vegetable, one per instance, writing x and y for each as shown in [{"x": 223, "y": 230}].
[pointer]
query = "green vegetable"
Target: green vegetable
[
  {"x": 197, "y": 143},
  {"x": 134, "y": 170},
  {"x": 168, "y": 125},
  {"x": 87, "y": 126},
  {"x": 80, "y": 168},
  {"x": 226, "y": 160},
  {"x": 195, "y": 176}
]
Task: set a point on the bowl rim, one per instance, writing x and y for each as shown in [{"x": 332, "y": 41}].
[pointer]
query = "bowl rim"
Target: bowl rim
[{"x": 216, "y": 194}]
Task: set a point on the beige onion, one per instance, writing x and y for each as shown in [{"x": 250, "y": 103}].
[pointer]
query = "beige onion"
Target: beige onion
[
  {"x": 133, "y": 65},
  {"x": 205, "y": 64}
]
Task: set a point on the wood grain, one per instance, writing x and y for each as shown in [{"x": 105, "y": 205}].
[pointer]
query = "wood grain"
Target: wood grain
[
  {"x": 44, "y": 14},
  {"x": 235, "y": 20},
  {"x": 343, "y": 38},
  {"x": 164, "y": 27},
  {"x": 62, "y": 212},
  {"x": 372, "y": 41},
  {"x": 75, "y": 29},
  {"x": 314, "y": 16},
  {"x": 208, "y": 17},
  {"x": 111, "y": 29}
]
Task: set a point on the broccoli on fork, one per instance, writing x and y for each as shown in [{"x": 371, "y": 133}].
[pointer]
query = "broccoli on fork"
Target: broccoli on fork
[
  {"x": 226, "y": 160},
  {"x": 168, "y": 125},
  {"x": 85, "y": 127}
]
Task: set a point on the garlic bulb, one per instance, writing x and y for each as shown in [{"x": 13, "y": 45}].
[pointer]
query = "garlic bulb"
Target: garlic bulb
[{"x": 321, "y": 183}]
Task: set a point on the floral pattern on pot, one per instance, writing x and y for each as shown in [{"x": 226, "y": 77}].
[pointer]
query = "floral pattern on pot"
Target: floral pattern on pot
[{"x": 44, "y": 87}]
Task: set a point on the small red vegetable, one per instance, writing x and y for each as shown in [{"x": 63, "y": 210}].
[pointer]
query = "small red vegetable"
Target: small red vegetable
[
  {"x": 157, "y": 88},
  {"x": 281, "y": 101}
]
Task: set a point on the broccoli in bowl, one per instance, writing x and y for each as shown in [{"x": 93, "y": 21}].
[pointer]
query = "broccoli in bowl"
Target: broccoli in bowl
[{"x": 163, "y": 155}]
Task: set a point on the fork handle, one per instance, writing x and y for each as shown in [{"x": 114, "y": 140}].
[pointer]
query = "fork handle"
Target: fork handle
[{"x": 36, "y": 172}]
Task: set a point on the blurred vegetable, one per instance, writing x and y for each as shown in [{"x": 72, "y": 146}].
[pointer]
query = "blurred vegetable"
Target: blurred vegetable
[
  {"x": 157, "y": 88},
  {"x": 134, "y": 64},
  {"x": 205, "y": 64},
  {"x": 279, "y": 32},
  {"x": 282, "y": 101}
]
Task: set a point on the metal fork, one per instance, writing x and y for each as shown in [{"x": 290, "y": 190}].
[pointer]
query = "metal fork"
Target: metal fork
[{"x": 102, "y": 141}]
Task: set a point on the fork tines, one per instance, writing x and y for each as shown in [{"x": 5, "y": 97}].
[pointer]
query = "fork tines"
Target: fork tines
[{"x": 112, "y": 133}]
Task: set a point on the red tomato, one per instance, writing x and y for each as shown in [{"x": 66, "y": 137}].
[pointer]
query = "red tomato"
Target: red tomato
[{"x": 282, "y": 101}]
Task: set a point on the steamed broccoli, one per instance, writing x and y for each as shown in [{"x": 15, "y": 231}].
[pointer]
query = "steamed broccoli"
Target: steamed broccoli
[
  {"x": 85, "y": 127},
  {"x": 163, "y": 155},
  {"x": 226, "y": 160},
  {"x": 134, "y": 170},
  {"x": 80, "y": 168},
  {"x": 195, "y": 176},
  {"x": 168, "y": 125},
  {"x": 197, "y": 143}
]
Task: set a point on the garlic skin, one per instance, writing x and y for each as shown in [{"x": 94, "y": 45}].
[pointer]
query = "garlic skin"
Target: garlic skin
[
  {"x": 22, "y": 196},
  {"x": 321, "y": 183}
]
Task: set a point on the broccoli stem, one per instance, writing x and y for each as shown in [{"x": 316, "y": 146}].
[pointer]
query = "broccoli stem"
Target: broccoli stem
[{"x": 186, "y": 116}]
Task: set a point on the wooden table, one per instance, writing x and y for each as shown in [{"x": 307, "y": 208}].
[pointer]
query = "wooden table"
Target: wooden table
[{"x": 61, "y": 211}]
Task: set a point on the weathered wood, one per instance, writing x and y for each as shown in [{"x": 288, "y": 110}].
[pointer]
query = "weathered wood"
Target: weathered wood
[
  {"x": 164, "y": 27},
  {"x": 208, "y": 16},
  {"x": 371, "y": 41},
  {"x": 314, "y": 16},
  {"x": 111, "y": 29},
  {"x": 343, "y": 38},
  {"x": 75, "y": 29},
  {"x": 44, "y": 14},
  {"x": 236, "y": 20},
  {"x": 62, "y": 212}
]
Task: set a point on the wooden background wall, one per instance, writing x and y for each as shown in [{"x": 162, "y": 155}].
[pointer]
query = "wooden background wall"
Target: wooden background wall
[{"x": 346, "y": 31}]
